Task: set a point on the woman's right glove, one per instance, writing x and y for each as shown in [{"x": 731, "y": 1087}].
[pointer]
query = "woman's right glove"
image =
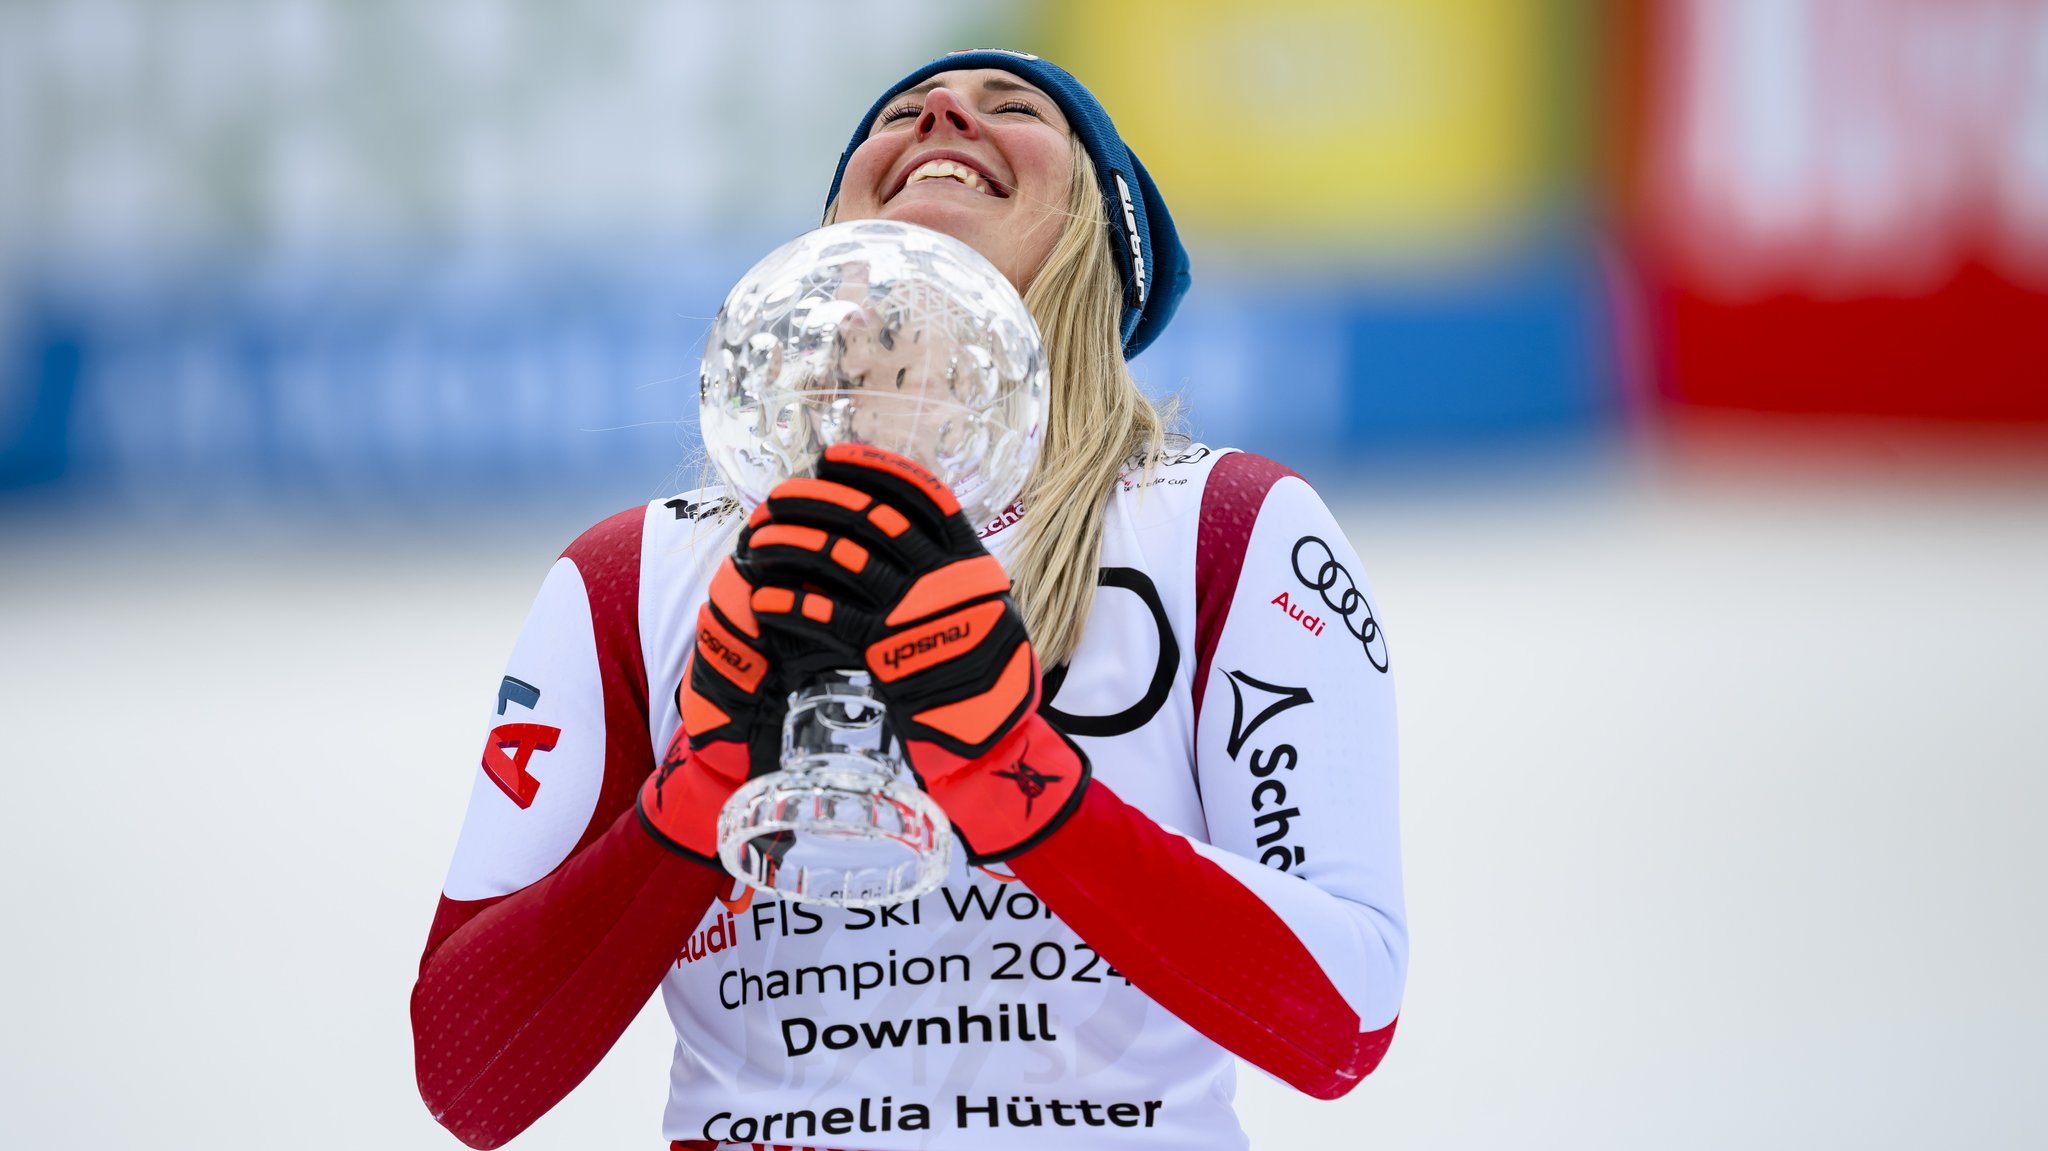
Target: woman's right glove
[
  {"x": 874, "y": 561},
  {"x": 732, "y": 699}
]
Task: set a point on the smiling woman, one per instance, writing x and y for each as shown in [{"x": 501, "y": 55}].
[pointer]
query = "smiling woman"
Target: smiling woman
[
  {"x": 1179, "y": 827},
  {"x": 977, "y": 154}
]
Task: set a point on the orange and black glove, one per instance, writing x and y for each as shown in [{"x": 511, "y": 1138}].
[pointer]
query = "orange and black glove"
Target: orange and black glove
[
  {"x": 874, "y": 561},
  {"x": 732, "y": 699}
]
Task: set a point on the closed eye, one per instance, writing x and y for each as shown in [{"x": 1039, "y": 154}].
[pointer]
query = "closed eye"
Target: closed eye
[{"x": 901, "y": 111}]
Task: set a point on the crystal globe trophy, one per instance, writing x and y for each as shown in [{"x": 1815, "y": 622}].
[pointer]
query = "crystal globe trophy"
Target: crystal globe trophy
[{"x": 901, "y": 338}]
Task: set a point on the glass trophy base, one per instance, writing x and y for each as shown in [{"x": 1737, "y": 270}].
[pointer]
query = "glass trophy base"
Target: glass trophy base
[
  {"x": 843, "y": 823},
  {"x": 835, "y": 833}
]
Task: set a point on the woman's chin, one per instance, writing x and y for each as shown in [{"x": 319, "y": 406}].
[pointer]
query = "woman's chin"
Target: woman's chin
[
  {"x": 989, "y": 226},
  {"x": 965, "y": 221}
]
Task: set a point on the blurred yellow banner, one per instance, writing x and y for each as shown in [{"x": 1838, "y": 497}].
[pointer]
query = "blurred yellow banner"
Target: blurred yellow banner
[{"x": 1402, "y": 123}]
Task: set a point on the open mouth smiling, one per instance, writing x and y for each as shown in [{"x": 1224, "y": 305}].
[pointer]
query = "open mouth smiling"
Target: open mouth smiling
[{"x": 954, "y": 167}]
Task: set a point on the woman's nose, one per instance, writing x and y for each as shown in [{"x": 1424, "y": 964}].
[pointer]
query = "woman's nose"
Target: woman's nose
[{"x": 941, "y": 107}]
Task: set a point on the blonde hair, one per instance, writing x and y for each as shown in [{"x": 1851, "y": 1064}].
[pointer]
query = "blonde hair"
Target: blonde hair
[{"x": 1098, "y": 423}]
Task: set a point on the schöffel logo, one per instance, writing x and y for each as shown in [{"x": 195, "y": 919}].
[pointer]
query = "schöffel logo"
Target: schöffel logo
[
  {"x": 927, "y": 643},
  {"x": 1316, "y": 566},
  {"x": 1273, "y": 817},
  {"x": 1009, "y": 515}
]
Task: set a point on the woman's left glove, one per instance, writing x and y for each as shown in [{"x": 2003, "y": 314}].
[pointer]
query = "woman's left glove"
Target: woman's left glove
[
  {"x": 873, "y": 559},
  {"x": 732, "y": 700}
]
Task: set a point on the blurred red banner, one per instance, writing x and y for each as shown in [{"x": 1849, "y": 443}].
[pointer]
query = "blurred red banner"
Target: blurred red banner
[{"x": 1842, "y": 205}]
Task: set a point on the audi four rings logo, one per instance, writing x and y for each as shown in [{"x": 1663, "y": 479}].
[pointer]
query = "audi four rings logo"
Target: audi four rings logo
[{"x": 1316, "y": 566}]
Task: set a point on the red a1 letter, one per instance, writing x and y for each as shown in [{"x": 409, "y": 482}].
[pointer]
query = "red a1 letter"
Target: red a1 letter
[{"x": 508, "y": 771}]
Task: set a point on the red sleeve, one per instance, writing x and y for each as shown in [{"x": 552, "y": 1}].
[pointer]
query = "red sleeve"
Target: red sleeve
[
  {"x": 520, "y": 996},
  {"x": 516, "y": 1006},
  {"x": 1161, "y": 915}
]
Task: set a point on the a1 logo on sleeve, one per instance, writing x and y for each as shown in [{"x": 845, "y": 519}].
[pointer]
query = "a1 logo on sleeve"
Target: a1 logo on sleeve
[{"x": 510, "y": 746}]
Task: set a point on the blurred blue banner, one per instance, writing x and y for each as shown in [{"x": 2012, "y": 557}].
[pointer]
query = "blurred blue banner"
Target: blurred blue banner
[
  {"x": 455, "y": 385},
  {"x": 234, "y": 275},
  {"x": 1360, "y": 370}
]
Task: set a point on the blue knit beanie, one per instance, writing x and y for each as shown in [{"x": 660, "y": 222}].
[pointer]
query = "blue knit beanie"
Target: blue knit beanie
[{"x": 1149, "y": 256}]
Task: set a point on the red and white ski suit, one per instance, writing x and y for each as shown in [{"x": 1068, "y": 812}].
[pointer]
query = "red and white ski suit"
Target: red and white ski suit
[{"x": 1230, "y": 885}]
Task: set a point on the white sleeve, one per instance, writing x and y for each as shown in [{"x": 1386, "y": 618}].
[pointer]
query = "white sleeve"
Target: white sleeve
[
  {"x": 543, "y": 756},
  {"x": 567, "y": 738},
  {"x": 1295, "y": 744}
]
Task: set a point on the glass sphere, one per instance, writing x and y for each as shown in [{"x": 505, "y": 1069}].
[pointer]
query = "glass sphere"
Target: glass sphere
[{"x": 880, "y": 333}]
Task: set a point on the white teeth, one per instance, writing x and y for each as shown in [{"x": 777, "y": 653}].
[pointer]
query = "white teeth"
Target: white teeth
[{"x": 945, "y": 170}]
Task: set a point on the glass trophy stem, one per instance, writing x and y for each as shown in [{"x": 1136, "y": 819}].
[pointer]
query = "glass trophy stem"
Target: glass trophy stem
[{"x": 843, "y": 822}]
